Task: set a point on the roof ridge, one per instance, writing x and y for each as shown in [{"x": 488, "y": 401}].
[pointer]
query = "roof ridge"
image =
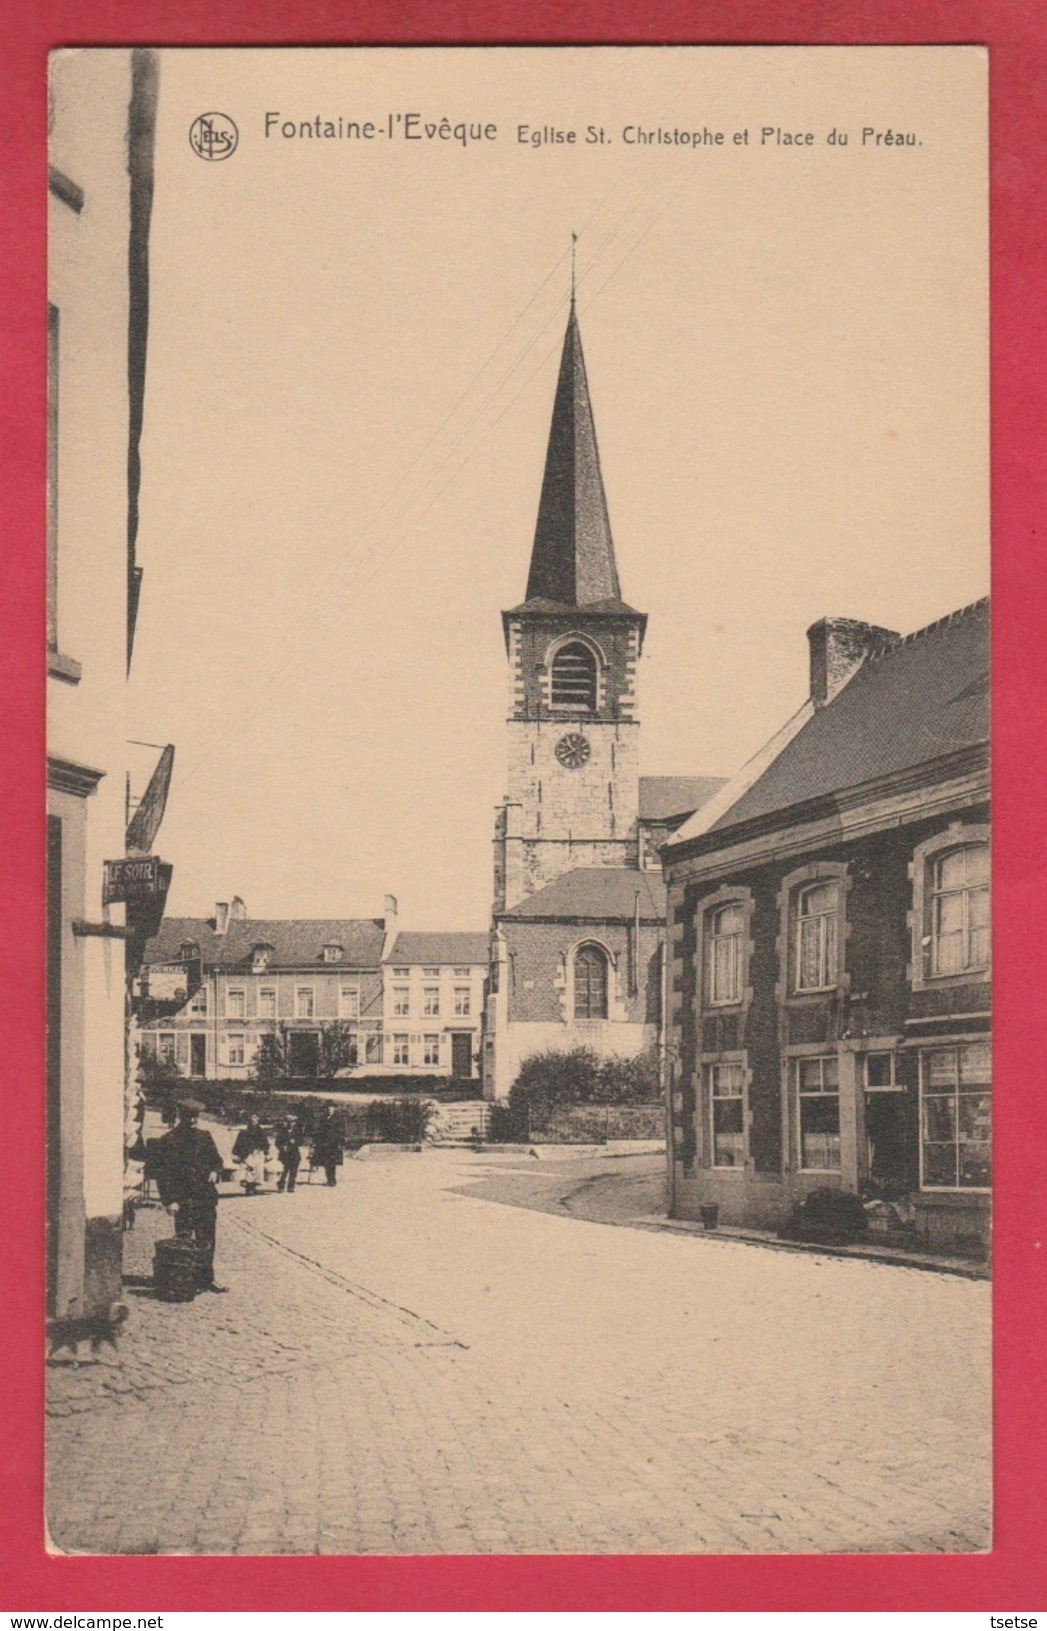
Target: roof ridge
[{"x": 887, "y": 646}]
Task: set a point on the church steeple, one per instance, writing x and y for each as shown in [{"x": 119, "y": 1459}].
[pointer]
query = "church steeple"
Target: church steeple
[{"x": 572, "y": 561}]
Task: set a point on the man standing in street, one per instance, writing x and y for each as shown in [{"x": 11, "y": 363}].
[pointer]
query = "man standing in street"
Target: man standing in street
[
  {"x": 188, "y": 1167},
  {"x": 328, "y": 1145}
]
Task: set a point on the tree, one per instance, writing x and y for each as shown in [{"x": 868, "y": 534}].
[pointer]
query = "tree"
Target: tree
[
  {"x": 272, "y": 1057},
  {"x": 337, "y": 1048}
]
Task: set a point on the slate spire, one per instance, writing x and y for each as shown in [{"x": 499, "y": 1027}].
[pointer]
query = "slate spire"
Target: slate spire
[{"x": 572, "y": 561}]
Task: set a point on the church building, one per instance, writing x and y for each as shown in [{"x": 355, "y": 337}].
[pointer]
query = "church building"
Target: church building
[{"x": 579, "y": 902}]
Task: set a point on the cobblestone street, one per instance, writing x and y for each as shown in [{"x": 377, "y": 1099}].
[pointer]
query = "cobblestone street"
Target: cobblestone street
[{"x": 404, "y": 1366}]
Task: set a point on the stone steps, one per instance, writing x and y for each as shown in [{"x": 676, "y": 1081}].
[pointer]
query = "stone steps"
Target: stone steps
[{"x": 458, "y": 1123}]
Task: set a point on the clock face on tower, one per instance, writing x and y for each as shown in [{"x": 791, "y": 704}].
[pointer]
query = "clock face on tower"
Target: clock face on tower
[{"x": 573, "y": 751}]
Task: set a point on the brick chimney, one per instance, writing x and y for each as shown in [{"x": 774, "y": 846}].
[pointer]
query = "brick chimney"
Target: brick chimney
[
  {"x": 237, "y": 910},
  {"x": 221, "y": 916},
  {"x": 839, "y": 646},
  {"x": 389, "y": 924}
]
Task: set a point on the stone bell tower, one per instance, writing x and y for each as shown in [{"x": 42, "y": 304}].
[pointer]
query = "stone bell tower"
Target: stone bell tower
[{"x": 573, "y": 647}]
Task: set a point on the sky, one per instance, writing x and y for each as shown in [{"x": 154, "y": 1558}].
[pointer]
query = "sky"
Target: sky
[{"x": 353, "y": 351}]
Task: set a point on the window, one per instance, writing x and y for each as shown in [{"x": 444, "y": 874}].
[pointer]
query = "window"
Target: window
[
  {"x": 198, "y": 1001},
  {"x": 165, "y": 1049},
  {"x": 462, "y": 973},
  {"x": 431, "y": 1001},
  {"x": 886, "y": 1124},
  {"x": 462, "y": 1001},
  {"x": 235, "y": 1004},
  {"x": 304, "y": 1002},
  {"x": 261, "y": 957},
  {"x": 431, "y": 973},
  {"x": 236, "y": 1050},
  {"x": 955, "y": 1117},
  {"x": 880, "y": 1073},
  {"x": 332, "y": 954},
  {"x": 354, "y": 1050},
  {"x": 817, "y": 920},
  {"x": 430, "y": 1050},
  {"x": 725, "y": 932},
  {"x": 590, "y": 983},
  {"x": 726, "y": 1088},
  {"x": 349, "y": 1002},
  {"x": 959, "y": 907},
  {"x": 401, "y": 973},
  {"x": 818, "y": 1105},
  {"x": 574, "y": 677},
  {"x": 401, "y": 1000},
  {"x": 373, "y": 1048},
  {"x": 267, "y": 1002},
  {"x": 188, "y": 951},
  {"x": 401, "y": 1052}
]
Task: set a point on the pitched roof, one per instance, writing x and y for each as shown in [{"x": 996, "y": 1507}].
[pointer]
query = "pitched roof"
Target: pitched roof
[
  {"x": 922, "y": 699},
  {"x": 599, "y": 894},
  {"x": 572, "y": 561},
  {"x": 664, "y": 797},
  {"x": 296, "y": 942},
  {"x": 455, "y": 946}
]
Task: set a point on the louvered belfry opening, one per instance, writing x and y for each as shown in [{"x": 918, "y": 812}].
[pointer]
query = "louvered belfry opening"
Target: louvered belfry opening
[{"x": 574, "y": 677}]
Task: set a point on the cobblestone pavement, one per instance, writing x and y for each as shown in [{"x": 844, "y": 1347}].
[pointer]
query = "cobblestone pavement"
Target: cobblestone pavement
[{"x": 402, "y": 1367}]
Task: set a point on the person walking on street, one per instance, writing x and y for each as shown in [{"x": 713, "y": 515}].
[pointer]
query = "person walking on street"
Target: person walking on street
[
  {"x": 329, "y": 1145},
  {"x": 251, "y": 1147},
  {"x": 290, "y": 1153},
  {"x": 187, "y": 1169}
]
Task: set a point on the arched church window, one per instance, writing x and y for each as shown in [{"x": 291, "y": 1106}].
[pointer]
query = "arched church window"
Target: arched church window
[
  {"x": 590, "y": 983},
  {"x": 574, "y": 677}
]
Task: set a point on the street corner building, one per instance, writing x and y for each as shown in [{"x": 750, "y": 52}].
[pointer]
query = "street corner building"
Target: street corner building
[
  {"x": 829, "y": 952},
  {"x": 578, "y": 921},
  {"x": 100, "y": 184}
]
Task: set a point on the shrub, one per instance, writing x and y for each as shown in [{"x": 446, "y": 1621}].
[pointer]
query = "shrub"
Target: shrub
[
  {"x": 580, "y": 1076},
  {"x": 826, "y": 1217},
  {"x": 397, "y": 1121}
]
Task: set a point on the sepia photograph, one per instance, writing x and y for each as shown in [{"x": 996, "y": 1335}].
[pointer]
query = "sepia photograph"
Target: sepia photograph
[{"x": 519, "y": 1017}]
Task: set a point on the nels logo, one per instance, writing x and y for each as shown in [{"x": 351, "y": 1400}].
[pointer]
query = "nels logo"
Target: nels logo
[{"x": 213, "y": 136}]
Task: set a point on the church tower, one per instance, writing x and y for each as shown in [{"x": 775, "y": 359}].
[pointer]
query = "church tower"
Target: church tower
[{"x": 573, "y": 647}]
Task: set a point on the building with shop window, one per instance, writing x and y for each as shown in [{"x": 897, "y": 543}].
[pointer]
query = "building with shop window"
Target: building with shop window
[
  {"x": 101, "y": 138},
  {"x": 579, "y": 906},
  {"x": 829, "y": 953},
  {"x": 433, "y": 1003}
]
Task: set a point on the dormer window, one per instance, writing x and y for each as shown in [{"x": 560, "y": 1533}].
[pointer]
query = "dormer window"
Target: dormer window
[
  {"x": 574, "y": 677},
  {"x": 189, "y": 951},
  {"x": 261, "y": 957},
  {"x": 333, "y": 953}
]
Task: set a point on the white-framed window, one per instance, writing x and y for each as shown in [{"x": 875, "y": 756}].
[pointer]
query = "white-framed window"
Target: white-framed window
[
  {"x": 304, "y": 1002},
  {"x": 590, "y": 982},
  {"x": 236, "y": 1049},
  {"x": 817, "y": 925},
  {"x": 430, "y": 1050},
  {"x": 462, "y": 973},
  {"x": 725, "y": 951},
  {"x": 261, "y": 957},
  {"x": 959, "y": 910},
  {"x": 333, "y": 953},
  {"x": 165, "y": 1047},
  {"x": 401, "y": 1050},
  {"x": 880, "y": 1071},
  {"x": 401, "y": 973},
  {"x": 198, "y": 1001},
  {"x": 431, "y": 973},
  {"x": 401, "y": 1000},
  {"x": 349, "y": 1002},
  {"x": 267, "y": 1002},
  {"x": 463, "y": 1001},
  {"x": 573, "y": 677},
  {"x": 818, "y": 1112},
  {"x": 431, "y": 1001},
  {"x": 725, "y": 1086},
  {"x": 956, "y": 1116},
  {"x": 235, "y": 1002}
]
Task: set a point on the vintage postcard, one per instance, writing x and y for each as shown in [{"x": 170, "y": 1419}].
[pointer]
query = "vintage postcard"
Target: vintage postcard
[{"x": 519, "y": 1024}]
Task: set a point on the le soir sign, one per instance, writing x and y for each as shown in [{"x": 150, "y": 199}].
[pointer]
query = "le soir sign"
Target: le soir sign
[{"x": 133, "y": 877}]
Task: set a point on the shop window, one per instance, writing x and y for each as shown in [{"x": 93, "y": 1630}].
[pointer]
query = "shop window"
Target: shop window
[
  {"x": 574, "y": 677},
  {"x": 955, "y": 1116},
  {"x": 818, "y": 1113},
  {"x": 725, "y": 1088},
  {"x": 725, "y": 951},
  {"x": 590, "y": 983}
]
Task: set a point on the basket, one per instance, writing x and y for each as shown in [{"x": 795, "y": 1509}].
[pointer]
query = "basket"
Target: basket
[{"x": 176, "y": 1270}]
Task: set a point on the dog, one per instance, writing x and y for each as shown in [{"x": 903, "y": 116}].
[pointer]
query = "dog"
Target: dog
[{"x": 98, "y": 1329}]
